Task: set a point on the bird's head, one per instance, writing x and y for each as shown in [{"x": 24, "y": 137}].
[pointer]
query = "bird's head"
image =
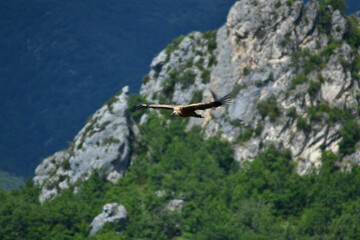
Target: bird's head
[{"x": 174, "y": 113}]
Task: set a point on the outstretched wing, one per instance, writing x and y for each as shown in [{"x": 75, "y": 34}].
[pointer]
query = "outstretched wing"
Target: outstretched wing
[
  {"x": 155, "y": 106},
  {"x": 202, "y": 106}
]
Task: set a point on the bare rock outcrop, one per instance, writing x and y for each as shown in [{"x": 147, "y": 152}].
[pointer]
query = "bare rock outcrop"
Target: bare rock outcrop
[
  {"x": 102, "y": 145},
  {"x": 279, "y": 63},
  {"x": 112, "y": 213}
]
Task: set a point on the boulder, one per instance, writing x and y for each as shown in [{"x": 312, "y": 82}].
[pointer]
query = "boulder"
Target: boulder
[{"x": 112, "y": 213}]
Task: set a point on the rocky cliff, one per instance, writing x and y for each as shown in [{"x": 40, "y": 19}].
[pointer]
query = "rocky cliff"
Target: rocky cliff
[
  {"x": 280, "y": 60},
  {"x": 103, "y": 145},
  {"x": 292, "y": 70}
]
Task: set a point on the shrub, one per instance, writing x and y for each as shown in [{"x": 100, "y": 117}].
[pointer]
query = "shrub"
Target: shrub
[
  {"x": 314, "y": 88},
  {"x": 189, "y": 62},
  {"x": 329, "y": 50},
  {"x": 145, "y": 79},
  {"x": 65, "y": 164},
  {"x": 110, "y": 140},
  {"x": 289, "y": 2},
  {"x": 269, "y": 108},
  {"x": 197, "y": 97},
  {"x": 350, "y": 136},
  {"x": 336, "y": 4},
  {"x": 174, "y": 44},
  {"x": 200, "y": 63},
  {"x": 168, "y": 87},
  {"x": 258, "y": 130},
  {"x": 246, "y": 71},
  {"x": 278, "y": 4},
  {"x": 313, "y": 61},
  {"x": 205, "y": 75},
  {"x": 291, "y": 112},
  {"x": 299, "y": 79},
  {"x": 324, "y": 23},
  {"x": 303, "y": 125},
  {"x": 355, "y": 67},
  {"x": 237, "y": 89},
  {"x": 315, "y": 113},
  {"x": 169, "y": 84},
  {"x": 335, "y": 114},
  {"x": 212, "y": 60},
  {"x": 285, "y": 41},
  {"x": 352, "y": 33},
  {"x": 245, "y": 134},
  {"x": 187, "y": 78},
  {"x": 210, "y": 36},
  {"x": 110, "y": 102},
  {"x": 237, "y": 123}
]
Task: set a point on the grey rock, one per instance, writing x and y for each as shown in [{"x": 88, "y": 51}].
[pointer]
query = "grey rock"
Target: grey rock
[
  {"x": 353, "y": 160},
  {"x": 338, "y": 79},
  {"x": 160, "y": 193},
  {"x": 254, "y": 55},
  {"x": 308, "y": 20},
  {"x": 338, "y": 26},
  {"x": 102, "y": 145},
  {"x": 175, "y": 205},
  {"x": 158, "y": 62},
  {"x": 112, "y": 212},
  {"x": 244, "y": 104},
  {"x": 176, "y": 60}
]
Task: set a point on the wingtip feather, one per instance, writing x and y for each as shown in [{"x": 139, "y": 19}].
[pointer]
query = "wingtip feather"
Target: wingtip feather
[
  {"x": 225, "y": 99},
  {"x": 140, "y": 106}
]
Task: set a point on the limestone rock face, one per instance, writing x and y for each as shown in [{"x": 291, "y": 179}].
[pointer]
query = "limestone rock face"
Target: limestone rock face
[
  {"x": 112, "y": 212},
  {"x": 258, "y": 53},
  {"x": 102, "y": 145},
  {"x": 338, "y": 26}
]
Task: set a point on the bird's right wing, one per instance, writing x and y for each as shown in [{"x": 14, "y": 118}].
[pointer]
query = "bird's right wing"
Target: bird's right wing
[{"x": 156, "y": 106}]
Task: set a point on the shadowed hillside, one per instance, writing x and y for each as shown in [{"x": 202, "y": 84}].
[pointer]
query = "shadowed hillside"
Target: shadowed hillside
[{"x": 61, "y": 60}]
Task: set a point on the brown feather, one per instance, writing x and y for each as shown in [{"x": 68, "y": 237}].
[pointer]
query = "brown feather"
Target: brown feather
[
  {"x": 156, "y": 106},
  {"x": 202, "y": 106},
  {"x": 189, "y": 110}
]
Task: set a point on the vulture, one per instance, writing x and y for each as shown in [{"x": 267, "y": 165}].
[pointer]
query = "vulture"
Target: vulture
[{"x": 189, "y": 110}]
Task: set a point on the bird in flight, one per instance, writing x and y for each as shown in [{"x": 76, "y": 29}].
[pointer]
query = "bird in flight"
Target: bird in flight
[{"x": 189, "y": 110}]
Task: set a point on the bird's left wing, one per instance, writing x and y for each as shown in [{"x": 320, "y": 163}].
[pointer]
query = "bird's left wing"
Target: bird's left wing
[{"x": 202, "y": 106}]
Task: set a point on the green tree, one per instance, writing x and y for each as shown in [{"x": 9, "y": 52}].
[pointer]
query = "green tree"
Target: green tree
[{"x": 336, "y": 4}]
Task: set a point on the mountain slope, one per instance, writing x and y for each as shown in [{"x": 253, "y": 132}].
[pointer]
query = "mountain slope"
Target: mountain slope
[
  {"x": 293, "y": 78},
  {"x": 270, "y": 165}
]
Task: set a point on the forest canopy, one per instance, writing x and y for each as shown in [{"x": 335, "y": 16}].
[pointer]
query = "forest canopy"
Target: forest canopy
[{"x": 262, "y": 199}]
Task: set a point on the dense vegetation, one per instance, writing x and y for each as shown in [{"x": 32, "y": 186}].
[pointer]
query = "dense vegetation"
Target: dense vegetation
[{"x": 262, "y": 199}]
